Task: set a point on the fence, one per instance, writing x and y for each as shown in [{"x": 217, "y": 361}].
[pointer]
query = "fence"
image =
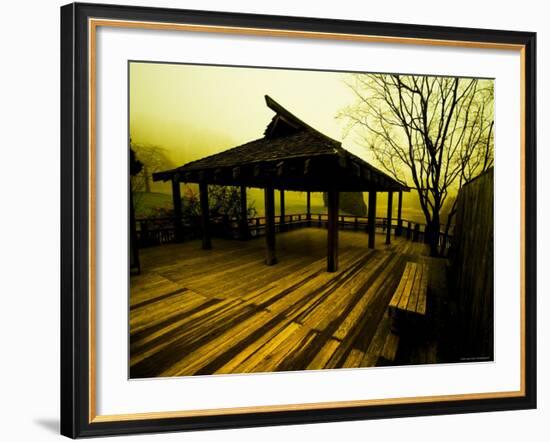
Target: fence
[
  {"x": 472, "y": 264},
  {"x": 157, "y": 231}
]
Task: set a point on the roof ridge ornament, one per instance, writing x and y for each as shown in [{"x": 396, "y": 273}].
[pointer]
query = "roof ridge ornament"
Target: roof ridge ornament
[{"x": 291, "y": 122}]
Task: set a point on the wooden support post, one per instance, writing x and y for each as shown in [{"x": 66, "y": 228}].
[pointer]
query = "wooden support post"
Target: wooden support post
[
  {"x": 227, "y": 228},
  {"x": 134, "y": 251},
  {"x": 308, "y": 209},
  {"x": 372, "y": 218},
  {"x": 416, "y": 233},
  {"x": 269, "y": 199},
  {"x": 205, "y": 216},
  {"x": 399, "y": 228},
  {"x": 176, "y": 201},
  {"x": 144, "y": 233},
  {"x": 282, "y": 209},
  {"x": 244, "y": 215},
  {"x": 332, "y": 240},
  {"x": 388, "y": 218},
  {"x": 408, "y": 230}
]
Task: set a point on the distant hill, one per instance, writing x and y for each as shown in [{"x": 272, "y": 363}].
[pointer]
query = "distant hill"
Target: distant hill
[{"x": 146, "y": 203}]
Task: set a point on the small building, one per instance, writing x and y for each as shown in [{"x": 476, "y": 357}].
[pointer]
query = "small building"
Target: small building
[{"x": 291, "y": 156}]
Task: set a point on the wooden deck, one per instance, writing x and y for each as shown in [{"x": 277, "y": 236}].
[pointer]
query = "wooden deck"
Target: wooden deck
[{"x": 199, "y": 312}]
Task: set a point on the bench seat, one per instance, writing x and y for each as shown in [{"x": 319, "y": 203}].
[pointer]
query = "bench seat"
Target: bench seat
[{"x": 410, "y": 297}]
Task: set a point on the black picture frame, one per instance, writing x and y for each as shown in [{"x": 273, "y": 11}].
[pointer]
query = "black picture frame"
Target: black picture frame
[{"x": 75, "y": 221}]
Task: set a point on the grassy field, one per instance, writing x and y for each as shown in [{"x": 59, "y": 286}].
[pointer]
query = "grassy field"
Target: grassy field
[{"x": 147, "y": 203}]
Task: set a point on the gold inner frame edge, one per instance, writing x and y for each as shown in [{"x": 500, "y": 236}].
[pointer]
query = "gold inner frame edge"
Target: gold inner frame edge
[{"x": 93, "y": 24}]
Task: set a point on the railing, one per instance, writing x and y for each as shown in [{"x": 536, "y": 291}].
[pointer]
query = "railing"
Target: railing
[{"x": 156, "y": 231}]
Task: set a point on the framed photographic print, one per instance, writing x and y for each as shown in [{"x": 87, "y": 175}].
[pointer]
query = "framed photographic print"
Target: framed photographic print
[{"x": 274, "y": 220}]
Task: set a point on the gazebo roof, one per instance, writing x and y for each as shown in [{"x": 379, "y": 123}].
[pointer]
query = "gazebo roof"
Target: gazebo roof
[{"x": 291, "y": 155}]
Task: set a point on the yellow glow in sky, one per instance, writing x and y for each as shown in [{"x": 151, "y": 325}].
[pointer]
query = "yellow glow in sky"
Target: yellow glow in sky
[{"x": 194, "y": 111}]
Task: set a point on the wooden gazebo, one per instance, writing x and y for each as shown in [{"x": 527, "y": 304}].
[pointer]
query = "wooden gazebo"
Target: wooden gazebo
[{"x": 290, "y": 156}]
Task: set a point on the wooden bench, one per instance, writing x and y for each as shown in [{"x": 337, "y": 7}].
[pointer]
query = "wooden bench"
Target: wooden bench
[
  {"x": 389, "y": 351},
  {"x": 409, "y": 300}
]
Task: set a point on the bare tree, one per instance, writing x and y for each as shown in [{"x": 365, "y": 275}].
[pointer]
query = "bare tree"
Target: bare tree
[
  {"x": 154, "y": 159},
  {"x": 434, "y": 131}
]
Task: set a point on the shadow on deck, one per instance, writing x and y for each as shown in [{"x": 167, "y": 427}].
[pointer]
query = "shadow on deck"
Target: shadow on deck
[{"x": 199, "y": 312}]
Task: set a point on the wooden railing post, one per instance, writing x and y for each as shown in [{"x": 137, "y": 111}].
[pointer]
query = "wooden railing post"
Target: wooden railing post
[
  {"x": 372, "y": 218},
  {"x": 243, "y": 224},
  {"x": 408, "y": 230},
  {"x": 388, "y": 219},
  {"x": 399, "y": 228},
  {"x": 332, "y": 239},
  {"x": 269, "y": 199},
  {"x": 205, "y": 216},
  {"x": 308, "y": 209},
  {"x": 176, "y": 201},
  {"x": 282, "y": 209}
]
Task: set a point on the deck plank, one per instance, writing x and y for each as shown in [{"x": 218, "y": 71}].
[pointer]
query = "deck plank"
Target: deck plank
[
  {"x": 401, "y": 287},
  {"x": 223, "y": 311},
  {"x": 415, "y": 289},
  {"x": 404, "y": 300}
]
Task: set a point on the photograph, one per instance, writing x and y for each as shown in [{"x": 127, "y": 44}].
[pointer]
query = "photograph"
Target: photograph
[
  {"x": 290, "y": 219},
  {"x": 274, "y": 221}
]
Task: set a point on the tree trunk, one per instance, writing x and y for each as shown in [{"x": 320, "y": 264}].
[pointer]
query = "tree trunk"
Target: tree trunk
[
  {"x": 450, "y": 217},
  {"x": 432, "y": 235},
  {"x": 146, "y": 178}
]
